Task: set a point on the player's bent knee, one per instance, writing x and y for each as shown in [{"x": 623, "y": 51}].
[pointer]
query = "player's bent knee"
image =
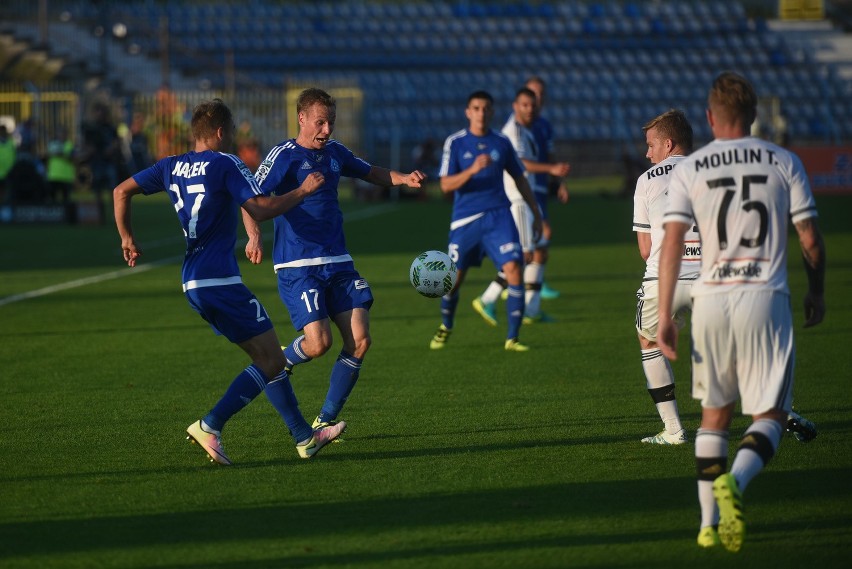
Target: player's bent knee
[
  {"x": 360, "y": 346},
  {"x": 271, "y": 364},
  {"x": 513, "y": 273},
  {"x": 316, "y": 347},
  {"x": 645, "y": 343}
]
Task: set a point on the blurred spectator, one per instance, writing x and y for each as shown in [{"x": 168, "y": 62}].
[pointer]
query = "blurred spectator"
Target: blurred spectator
[
  {"x": 171, "y": 133},
  {"x": 248, "y": 146},
  {"x": 123, "y": 165},
  {"x": 25, "y": 182},
  {"x": 8, "y": 151},
  {"x": 61, "y": 169},
  {"x": 102, "y": 152},
  {"x": 140, "y": 156},
  {"x": 779, "y": 126},
  {"x": 26, "y": 136},
  {"x": 633, "y": 166},
  {"x": 425, "y": 156}
]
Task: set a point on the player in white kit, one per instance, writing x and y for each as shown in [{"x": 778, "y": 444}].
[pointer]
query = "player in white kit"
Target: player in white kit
[
  {"x": 669, "y": 140},
  {"x": 741, "y": 192}
]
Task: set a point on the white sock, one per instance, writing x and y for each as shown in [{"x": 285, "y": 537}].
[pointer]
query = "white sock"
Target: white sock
[
  {"x": 492, "y": 292},
  {"x": 533, "y": 275},
  {"x": 747, "y": 463},
  {"x": 709, "y": 444},
  {"x": 658, "y": 373}
]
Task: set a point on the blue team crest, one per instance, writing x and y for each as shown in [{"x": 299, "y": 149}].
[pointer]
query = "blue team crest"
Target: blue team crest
[
  {"x": 495, "y": 156},
  {"x": 335, "y": 166}
]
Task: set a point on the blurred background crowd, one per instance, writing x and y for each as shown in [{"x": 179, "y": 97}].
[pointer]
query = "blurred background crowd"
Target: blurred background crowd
[{"x": 91, "y": 91}]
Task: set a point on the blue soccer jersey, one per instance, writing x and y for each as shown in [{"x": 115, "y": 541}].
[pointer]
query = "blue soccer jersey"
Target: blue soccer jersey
[
  {"x": 543, "y": 133},
  {"x": 311, "y": 233},
  {"x": 205, "y": 188},
  {"x": 484, "y": 191}
]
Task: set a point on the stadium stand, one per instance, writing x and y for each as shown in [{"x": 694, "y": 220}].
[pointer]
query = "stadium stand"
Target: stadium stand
[{"x": 609, "y": 64}]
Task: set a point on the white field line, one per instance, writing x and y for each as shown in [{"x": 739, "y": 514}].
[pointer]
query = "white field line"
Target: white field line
[
  {"x": 354, "y": 216},
  {"x": 87, "y": 281}
]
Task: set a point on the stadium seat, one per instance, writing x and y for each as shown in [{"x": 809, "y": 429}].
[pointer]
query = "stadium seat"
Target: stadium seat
[{"x": 430, "y": 55}]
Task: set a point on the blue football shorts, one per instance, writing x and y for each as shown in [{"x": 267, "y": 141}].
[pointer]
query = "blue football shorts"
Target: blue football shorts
[
  {"x": 322, "y": 291},
  {"x": 493, "y": 234},
  {"x": 231, "y": 310}
]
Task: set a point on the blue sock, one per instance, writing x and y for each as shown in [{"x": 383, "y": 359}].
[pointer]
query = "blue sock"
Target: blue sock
[
  {"x": 448, "y": 309},
  {"x": 241, "y": 392},
  {"x": 515, "y": 310},
  {"x": 344, "y": 374},
  {"x": 294, "y": 353},
  {"x": 280, "y": 393}
]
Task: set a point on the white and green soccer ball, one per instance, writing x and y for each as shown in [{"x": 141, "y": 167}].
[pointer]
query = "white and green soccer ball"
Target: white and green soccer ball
[{"x": 433, "y": 273}]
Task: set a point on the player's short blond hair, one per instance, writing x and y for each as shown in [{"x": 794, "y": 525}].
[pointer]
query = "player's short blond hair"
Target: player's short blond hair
[
  {"x": 672, "y": 125},
  {"x": 732, "y": 98}
]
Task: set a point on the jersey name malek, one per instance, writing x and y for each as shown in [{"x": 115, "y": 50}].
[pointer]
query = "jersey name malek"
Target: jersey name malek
[
  {"x": 736, "y": 156},
  {"x": 187, "y": 170}
]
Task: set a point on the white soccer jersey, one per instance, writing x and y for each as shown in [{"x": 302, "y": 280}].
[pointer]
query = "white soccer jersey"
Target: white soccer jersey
[
  {"x": 523, "y": 141},
  {"x": 649, "y": 206},
  {"x": 741, "y": 193}
]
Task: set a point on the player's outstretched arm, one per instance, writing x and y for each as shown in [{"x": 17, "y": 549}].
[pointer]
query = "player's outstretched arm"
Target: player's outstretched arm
[
  {"x": 556, "y": 169},
  {"x": 385, "y": 177},
  {"x": 122, "y": 194},
  {"x": 813, "y": 254},
  {"x": 261, "y": 208}
]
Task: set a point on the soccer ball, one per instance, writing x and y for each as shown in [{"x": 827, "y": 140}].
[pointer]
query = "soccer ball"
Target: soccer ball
[{"x": 433, "y": 273}]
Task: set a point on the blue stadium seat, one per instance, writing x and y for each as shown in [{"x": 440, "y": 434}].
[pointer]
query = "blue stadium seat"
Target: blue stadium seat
[{"x": 602, "y": 59}]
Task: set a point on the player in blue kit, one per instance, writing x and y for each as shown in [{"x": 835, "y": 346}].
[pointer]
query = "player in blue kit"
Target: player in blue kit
[
  {"x": 542, "y": 130},
  {"x": 206, "y": 187},
  {"x": 472, "y": 168},
  {"x": 317, "y": 280},
  {"x": 530, "y": 149}
]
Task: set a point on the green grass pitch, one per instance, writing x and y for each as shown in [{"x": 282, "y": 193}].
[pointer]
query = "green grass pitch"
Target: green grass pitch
[{"x": 468, "y": 457}]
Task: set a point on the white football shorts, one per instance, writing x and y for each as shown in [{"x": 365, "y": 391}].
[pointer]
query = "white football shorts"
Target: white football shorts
[
  {"x": 647, "y": 317},
  {"x": 524, "y": 221},
  {"x": 742, "y": 346}
]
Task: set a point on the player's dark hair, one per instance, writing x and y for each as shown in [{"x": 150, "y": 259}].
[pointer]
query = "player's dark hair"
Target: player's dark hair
[
  {"x": 732, "y": 98},
  {"x": 525, "y": 91},
  {"x": 535, "y": 79},
  {"x": 480, "y": 95},
  {"x": 312, "y": 96},
  {"x": 673, "y": 125},
  {"x": 208, "y": 117}
]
